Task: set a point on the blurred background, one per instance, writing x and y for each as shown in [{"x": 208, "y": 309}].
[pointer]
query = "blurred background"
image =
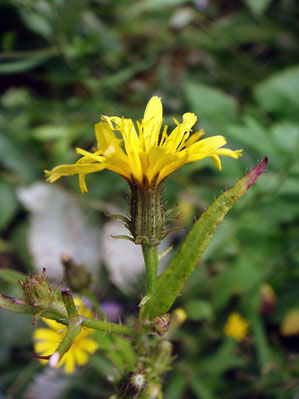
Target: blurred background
[{"x": 63, "y": 63}]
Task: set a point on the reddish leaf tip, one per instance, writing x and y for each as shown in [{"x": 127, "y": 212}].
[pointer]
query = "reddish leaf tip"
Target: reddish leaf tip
[
  {"x": 41, "y": 357},
  {"x": 256, "y": 172}
]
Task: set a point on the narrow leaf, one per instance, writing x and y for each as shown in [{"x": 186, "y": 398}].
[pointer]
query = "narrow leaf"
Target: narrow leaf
[
  {"x": 26, "y": 63},
  {"x": 11, "y": 276},
  {"x": 172, "y": 280},
  {"x": 14, "y": 305}
]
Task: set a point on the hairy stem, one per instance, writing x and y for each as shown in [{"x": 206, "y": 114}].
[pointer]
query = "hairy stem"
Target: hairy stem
[{"x": 151, "y": 259}]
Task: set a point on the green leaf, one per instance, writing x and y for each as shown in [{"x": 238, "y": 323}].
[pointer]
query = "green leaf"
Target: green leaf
[
  {"x": 152, "y": 5},
  {"x": 280, "y": 92},
  {"x": 286, "y": 137},
  {"x": 199, "y": 310},
  {"x": 8, "y": 204},
  {"x": 25, "y": 63},
  {"x": 223, "y": 359},
  {"x": 261, "y": 341},
  {"x": 172, "y": 280},
  {"x": 252, "y": 134},
  {"x": 50, "y": 132},
  {"x": 214, "y": 108},
  {"x": 14, "y": 305},
  {"x": 258, "y": 6},
  {"x": 11, "y": 276},
  {"x": 201, "y": 389},
  {"x": 118, "y": 350},
  {"x": 17, "y": 158}
]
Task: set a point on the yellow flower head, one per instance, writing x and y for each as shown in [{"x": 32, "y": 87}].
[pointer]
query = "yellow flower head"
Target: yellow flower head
[
  {"x": 236, "y": 327},
  {"x": 46, "y": 341},
  {"x": 150, "y": 153}
]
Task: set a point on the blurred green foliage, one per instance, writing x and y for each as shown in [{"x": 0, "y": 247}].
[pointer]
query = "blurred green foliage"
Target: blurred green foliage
[{"x": 236, "y": 65}]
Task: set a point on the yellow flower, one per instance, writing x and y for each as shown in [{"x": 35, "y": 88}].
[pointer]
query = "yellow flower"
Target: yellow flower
[
  {"x": 236, "y": 327},
  {"x": 46, "y": 341},
  {"x": 150, "y": 153}
]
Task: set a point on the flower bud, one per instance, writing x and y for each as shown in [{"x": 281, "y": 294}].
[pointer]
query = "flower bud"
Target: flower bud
[
  {"x": 39, "y": 293},
  {"x": 160, "y": 324},
  {"x": 268, "y": 299},
  {"x": 77, "y": 277},
  {"x": 132, "y": 385}
]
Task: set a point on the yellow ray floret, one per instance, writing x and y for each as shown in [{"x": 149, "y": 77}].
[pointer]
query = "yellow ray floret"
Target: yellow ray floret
[
  {"x": 148, "y": 151},
  {"x": 46, "y": 341}
]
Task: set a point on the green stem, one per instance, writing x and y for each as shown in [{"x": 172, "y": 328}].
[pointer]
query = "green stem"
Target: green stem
[
  {"x": 96, "y": 324},
  {"x": 59, "y": 314},
  {"x": 69, "y": 304},
  {"x": 151, "y": 259},
  {"x": 109, "y": 327},
  {"x": 73, "y": 330}
]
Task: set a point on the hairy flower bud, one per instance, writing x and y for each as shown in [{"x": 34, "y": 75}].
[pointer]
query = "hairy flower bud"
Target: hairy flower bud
[
  {"x": 39, "y": 293},
  {"x": 160, "y": 324},
  {"x": 132, "y": 385}
]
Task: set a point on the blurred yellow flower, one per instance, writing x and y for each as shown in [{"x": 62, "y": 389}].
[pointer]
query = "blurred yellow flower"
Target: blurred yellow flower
[
  {"x": 150, "y": 153},
  {"x": 236, "y": 327},
  {"x": 290, "y": 323},
  {"x": 46, "y": 341}
]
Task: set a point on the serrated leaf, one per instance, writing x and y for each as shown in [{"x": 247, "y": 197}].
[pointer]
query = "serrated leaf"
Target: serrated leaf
[{"x": 172, "y": 280}]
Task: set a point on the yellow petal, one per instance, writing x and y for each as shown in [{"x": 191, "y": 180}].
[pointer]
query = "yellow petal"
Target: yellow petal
[
  {"x": 216, "y": 161},
  {"x": 194, "y": 137},
  {"x": 46, "y": 341},
  {"x": 158, "y": 159},
  {"x": 230, "y": 153},
  {"x": 45, "y": 348},
  {"x": 54, "y": 324},
  {"x": 46, "y": 334},
  {"x": 81, "y": 357},
  {"x": 151, "y": 123},
  {"x": 94, "y": 157},
  {"x": 153, "y": 110},
  {"x": 69, "y": 170},
  {"x": 204, "y": 148},
  {"x": 82, "y": 183},
  {"x": 89, "y": 345},
  {"x": 69, "y": 362},
  {"x": 183, "y": 129},
  {"x": 105, "y": 136},
  {"x": 171, "y": 167}
]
